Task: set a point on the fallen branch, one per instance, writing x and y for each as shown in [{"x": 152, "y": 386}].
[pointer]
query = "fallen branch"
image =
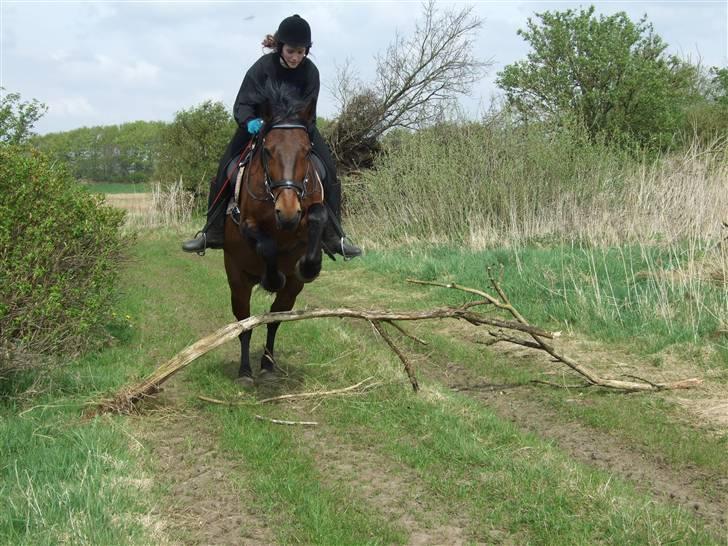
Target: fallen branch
[
  {"x": 407, "y": 365},
  {"x": 591, "y": 377},
  {"x": 319, "y": 394},
  {"x": 124, "y": 401},
  {"x": 284, "y": 422}
]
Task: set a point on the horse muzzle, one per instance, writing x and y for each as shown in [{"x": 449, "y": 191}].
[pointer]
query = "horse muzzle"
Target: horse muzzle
[{"x": 288, "y": 221}]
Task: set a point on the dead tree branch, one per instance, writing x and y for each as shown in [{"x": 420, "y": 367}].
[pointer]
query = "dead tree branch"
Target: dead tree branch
[
  {"x": 125, "y": 400},
  {"x": 590, "y": 375},
  {"x": 407, "y": 364},
  {"x": 416, "y": 78}
]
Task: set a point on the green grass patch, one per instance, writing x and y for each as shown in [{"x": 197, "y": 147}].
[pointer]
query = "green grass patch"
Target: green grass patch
[
  {"x": 629, "y": 295},
  {"x": 63, "y": 479}
]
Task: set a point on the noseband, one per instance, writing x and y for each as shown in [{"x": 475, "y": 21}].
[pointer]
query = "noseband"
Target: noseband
[{"x": 270, "y": 185}]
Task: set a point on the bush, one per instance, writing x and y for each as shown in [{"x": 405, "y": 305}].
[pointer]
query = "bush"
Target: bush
[
  {"x": 491, "y": 185},
  {"x": 60, "y": 249},
  {"x": 192, "y": 145}
]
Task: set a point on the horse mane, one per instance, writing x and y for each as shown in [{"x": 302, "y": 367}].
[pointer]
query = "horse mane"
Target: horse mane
[{"x": 284, "y": 101}]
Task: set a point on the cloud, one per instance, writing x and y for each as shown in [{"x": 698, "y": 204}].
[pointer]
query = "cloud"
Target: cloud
[
  {"x": 146, "y": 60},
  {"x": 70, "y": 107},
  {"x": 139, "y": 71},
  {"x": 105, "y": 68}
]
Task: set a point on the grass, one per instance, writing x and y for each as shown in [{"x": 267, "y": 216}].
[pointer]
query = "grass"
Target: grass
[
  {"x": 618, "y": 295},
  {"x": 62, "y": 479},
  {"x": 467, "y": 466}
]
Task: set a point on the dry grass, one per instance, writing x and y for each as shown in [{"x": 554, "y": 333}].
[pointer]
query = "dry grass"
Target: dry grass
[{"x": 167, "y": 206}]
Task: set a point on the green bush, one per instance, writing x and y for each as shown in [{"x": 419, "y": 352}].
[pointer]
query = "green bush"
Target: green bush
[
  {"x": 60, "y": 249},
  {"x": 192, "y": 145}
]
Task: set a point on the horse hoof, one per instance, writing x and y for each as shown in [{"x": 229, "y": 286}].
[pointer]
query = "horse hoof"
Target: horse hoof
[
  {"x": 245, "y": 381},
  {"x": 307, "y": 271},
  {"x": 279, "y": 283}
]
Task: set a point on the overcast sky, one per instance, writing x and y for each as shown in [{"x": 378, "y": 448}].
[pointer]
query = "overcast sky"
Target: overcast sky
[{"x": 100, "y": 63}]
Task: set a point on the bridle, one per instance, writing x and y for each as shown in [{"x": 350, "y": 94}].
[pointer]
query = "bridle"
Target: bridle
[{"x": 285, "y": 184}]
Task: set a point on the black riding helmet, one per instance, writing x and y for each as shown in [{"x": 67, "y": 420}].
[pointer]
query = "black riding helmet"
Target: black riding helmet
[{"x": 295, "y": 32}]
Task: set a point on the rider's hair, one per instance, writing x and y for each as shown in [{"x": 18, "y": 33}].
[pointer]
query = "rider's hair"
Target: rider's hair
[{"x": 270, "y": 42}]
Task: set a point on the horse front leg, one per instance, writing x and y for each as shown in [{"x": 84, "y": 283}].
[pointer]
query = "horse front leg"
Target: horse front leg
[
  {"x": 285, "y": 300},
  {"x": 308, "y": 266},
  {"x": 241, "y": 287},
  {"x": 265, "y": 246}
]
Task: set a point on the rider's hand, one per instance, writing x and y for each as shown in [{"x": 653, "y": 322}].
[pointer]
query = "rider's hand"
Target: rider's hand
[{"x": 254, "y": 126}]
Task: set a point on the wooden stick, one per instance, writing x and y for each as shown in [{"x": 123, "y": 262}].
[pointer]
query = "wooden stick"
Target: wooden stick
[
  {"x": 125, "y": 400},
  {"x": 220, "y": 402},
  {"x": 298, "y": 396},
  {"x": 284, "y": 422},
  {"x": 407, "y": 334},
  {"x": 590, "y": 376},
  {"x": 407, "y": 365}
]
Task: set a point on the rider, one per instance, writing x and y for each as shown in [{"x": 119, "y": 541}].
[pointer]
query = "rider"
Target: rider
[{"x": 288, "y": 63}]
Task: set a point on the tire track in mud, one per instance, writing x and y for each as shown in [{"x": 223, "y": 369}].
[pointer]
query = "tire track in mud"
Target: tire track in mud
[
  {"x": 391, "y": 489},
  {"x": 648, "y": 473},
  {"x": 203, "y": 506}
]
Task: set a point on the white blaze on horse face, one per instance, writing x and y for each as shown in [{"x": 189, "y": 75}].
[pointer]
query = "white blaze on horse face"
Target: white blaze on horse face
[{"x": 293, "y": 55}]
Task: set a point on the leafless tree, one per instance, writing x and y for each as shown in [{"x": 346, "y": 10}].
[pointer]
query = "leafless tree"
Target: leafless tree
[{"x": 415, "y": 80}]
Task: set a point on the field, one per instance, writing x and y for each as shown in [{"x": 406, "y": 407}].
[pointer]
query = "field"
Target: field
[{"x": 480, "y": 455}]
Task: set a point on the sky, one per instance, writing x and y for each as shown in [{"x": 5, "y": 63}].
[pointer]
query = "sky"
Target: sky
[{"x": 102, "y": 63}]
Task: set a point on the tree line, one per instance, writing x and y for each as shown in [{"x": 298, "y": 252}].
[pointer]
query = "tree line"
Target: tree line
[
  {"x": 607, "y": 76},
  {"x": 112, "y": 153}
]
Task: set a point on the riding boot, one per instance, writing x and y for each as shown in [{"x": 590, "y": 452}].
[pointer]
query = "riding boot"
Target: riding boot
[
  {"x": 213, "y": 234},
  {"x": 334, "y": 239}
]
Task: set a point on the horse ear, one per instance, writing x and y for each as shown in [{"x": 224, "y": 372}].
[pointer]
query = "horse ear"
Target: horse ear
[{"x": 309, "y": 111}]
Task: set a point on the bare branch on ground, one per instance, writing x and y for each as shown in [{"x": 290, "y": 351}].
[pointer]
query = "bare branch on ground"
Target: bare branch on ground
[{"x": 125, "y": 400}]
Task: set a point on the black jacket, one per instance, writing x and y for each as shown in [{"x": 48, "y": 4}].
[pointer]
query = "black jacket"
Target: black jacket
[{"x": 305, "y": 78}]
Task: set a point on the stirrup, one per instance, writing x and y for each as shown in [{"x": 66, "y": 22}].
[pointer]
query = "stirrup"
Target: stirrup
[
  {"x": 204, "y": 244},
  {"x": 342, "y": 250}
]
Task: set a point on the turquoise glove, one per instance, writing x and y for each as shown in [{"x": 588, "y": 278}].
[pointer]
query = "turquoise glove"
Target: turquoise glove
[{"x": 254, "y": 126}]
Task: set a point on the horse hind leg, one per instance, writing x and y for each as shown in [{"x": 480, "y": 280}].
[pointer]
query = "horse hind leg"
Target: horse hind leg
[{"x": 285, "y": 299}]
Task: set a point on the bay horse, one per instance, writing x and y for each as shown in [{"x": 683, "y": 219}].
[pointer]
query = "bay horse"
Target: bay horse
[{"x": 274, "y": 236}]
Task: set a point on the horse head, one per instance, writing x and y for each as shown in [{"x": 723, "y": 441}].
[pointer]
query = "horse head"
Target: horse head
[{"x": 285, "y": 156}]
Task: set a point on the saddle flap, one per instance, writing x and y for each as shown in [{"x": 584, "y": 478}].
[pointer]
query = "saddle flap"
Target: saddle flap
[{"x": 319, "y": 166}]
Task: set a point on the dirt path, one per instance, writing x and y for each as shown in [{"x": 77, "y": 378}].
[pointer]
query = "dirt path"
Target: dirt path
[
  {"x": 205, "y": 506},
  {"x": 389, "y": 486}
]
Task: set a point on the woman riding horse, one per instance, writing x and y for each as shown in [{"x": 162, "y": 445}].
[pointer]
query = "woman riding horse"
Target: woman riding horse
[
  {"x": 289, "y": 64},
  {"x": 273, "y": 234}
]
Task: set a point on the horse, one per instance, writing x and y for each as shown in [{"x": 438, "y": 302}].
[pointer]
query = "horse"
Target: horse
[{"x": 273, "y": 236}]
